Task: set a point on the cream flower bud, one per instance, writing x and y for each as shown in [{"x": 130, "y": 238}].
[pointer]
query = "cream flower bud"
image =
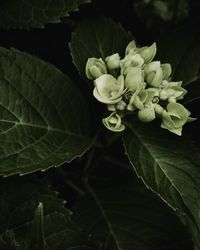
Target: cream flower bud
[
  {"x": 167, "y": 70},
  {"x": 134, "y": 79},
  {"x": 147, "y": 114},
  {"x": 158, "y": 109},
  {"x": 148, "y": 52},
  {"x": 175, "y": 84},
  {"x": 95, "y": 68},
  {"x": 172, "y": 93},
  {"x": 131, "y": 49},
  {"x": 153, "y": 73},
  {"x": 131, "y": 61},
  {"x": 121, "y": 105},
  {"x": 108, "y": 90},
  {"x": 139, "y": 99},
  {"x": 113, "y": 123},
  {"x": 113, "y": 61},
  {"x": 174, "y": 118}
]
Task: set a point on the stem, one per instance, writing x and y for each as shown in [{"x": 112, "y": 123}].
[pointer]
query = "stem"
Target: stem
[
  {"x": 75, "y": 187},
  {"x": 116, "y": 162},
  {"x": 69, "y": 182}
]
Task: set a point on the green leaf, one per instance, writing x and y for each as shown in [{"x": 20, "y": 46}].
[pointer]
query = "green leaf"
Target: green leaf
[
  {"x": 35, "y": 13},
  {"x": 21, "y": 219},
  {"x": 128, "y": 218},
  {"x": 44, "y": 119},
  {"x": 168, "y": 165},
  {"x": 38, "y": 238},
  {"x": 97, "y": 38},
  {"x": 182, "y": 49}
]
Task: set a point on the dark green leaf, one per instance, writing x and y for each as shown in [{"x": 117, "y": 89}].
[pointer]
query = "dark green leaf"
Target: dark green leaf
[
  {"x": 128, "y": 218},
  {"x": 168, "y": 165},
  {"x": 182, "y": 49},
  {"x": 97, "y": 38},
  {"x": 38, "y": 235},
  {"x": 35, "y": 13},
  {"x": 20, "y": 227},
  {"x": 44, "y": 119}
]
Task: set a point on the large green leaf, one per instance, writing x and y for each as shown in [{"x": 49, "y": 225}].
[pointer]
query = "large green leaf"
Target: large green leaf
[
  {"x": 26, "y": 208},
  {"x": 35, "y": 13},
  {"x": 182, "y": 49},
  {"x": 43, "y": 117},
  {"x": 128, "y": 218},
  {"x": 97, "y": 38},
  {"x": 168, "y": 165}
]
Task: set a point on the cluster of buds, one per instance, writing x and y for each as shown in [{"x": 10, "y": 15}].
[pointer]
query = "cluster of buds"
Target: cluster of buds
[{"x": 138, "y": 85}]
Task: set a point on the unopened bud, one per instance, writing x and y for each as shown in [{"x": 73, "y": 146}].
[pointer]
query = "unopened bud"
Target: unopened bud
[
  {"x": 113, "y": 61},
  {"x": 148, "y": 52},
  {"x": 95, "y": 68}
]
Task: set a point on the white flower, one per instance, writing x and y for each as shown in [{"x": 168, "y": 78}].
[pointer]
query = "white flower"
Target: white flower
[
  {"x": 174, "y": 118},
  {"x": 140, "y": 98},
  {"x": 153, "y": 73},
  {"x": 108, "y": 90},
  {"x": 95, "y": 68},
  {"x": 134, "y": 79},
  {"x": 113, "y": 123},
  {"x": 113, "y": 61},
  {"x": 148, "y": 52},
  {"x": 147, "y": 114},
  {"x": 131, "y": 48},
  {"x": 130, "y": 61},
  {"x": 167, "y": 70}
]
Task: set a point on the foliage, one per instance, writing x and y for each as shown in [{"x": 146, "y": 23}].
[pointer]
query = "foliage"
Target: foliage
[{"x": 136, "y": 189}]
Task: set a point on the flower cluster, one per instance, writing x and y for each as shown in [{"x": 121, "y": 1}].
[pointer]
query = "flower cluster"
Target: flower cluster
[{"x": 137, "y": 84}]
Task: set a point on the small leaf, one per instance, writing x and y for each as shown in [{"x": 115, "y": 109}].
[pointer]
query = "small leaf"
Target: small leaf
[
  {"x": 38, "y": 239},
  {"x": 97, "y": 38},
  {"x": 182, "y": 49},
  {"x": 128, "y": 218},
  {"x": 34, "y": 13},
  {"x": 168, "y": 165},
  {"x": 26, "y": 226},
  {"x": 44, "y": 120}
]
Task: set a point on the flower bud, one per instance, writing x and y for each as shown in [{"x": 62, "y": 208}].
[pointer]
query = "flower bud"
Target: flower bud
[
  {"x": 153, "y": 74},
  {"x": 121, "y": 105},
  {"x": 135, "y": 103},
  {"x": 131, "y": 61},
  {"x": 148, "y": 52},
  {"x": 158, "y": 109},
  {"x": 108, "y": 90},
  {"x": 147, "y": 114},
  {"x": 163, "y": 95},
  {"x": 131, "y": 48},
  {"x": 179, "y": 92},
  {"x": 174, "y": 118},
  {"x": 95, "y": 68},
  {"x": 134, "y": 79},
  {"x": 113, "y": 61},
  {"x": 113, "y": 123},
  {"x": 167, "y": 70},
  {"x": 172, "y": 94},
  {"x": 175, "y": 84}
]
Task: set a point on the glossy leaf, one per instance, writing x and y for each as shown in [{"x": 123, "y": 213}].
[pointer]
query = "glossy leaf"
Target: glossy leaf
[
  {"x": 21, "y": 217},
  {"x": 128, "y": 218},
  {"x": 35, "y": 13},
  {"x": 168, "y": 165},
  {"x": 44, "y": 120},
  {"x": 97, "y": 38}
]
